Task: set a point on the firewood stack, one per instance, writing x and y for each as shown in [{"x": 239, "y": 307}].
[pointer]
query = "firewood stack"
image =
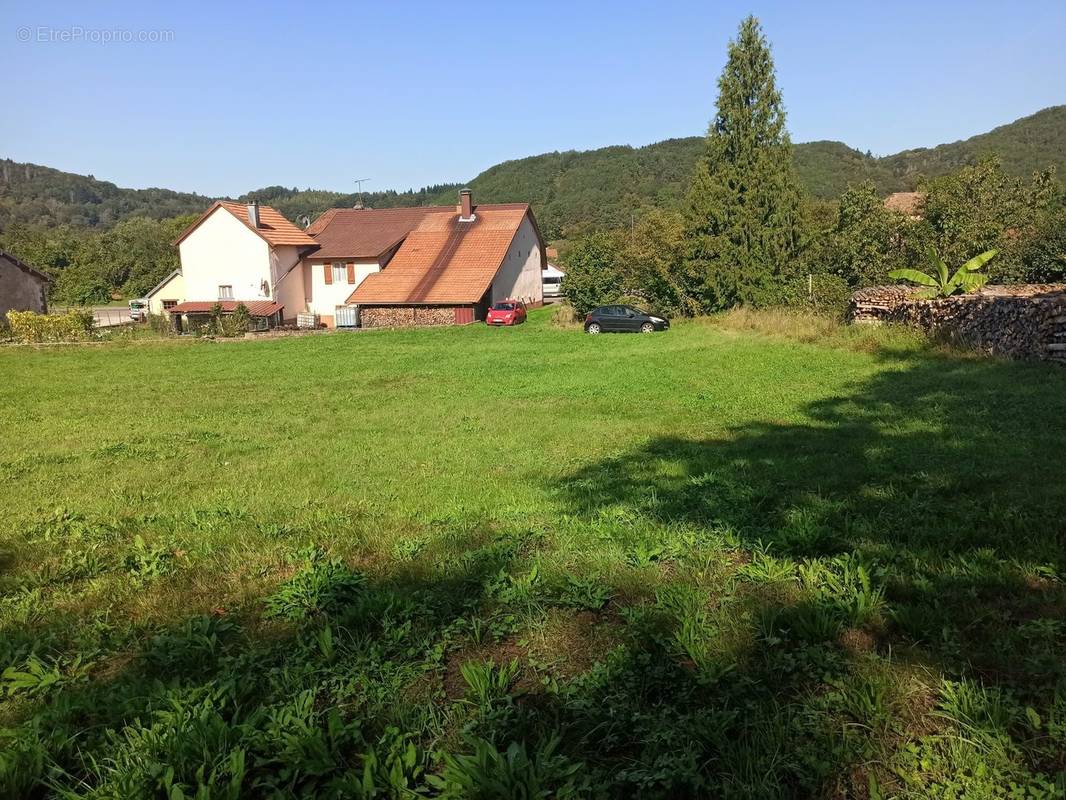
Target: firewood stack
[{"x": 1023, "y": 321}]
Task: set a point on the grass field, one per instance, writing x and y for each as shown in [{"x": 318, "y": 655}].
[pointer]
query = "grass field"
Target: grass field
[{"x": 529, "y": 563}]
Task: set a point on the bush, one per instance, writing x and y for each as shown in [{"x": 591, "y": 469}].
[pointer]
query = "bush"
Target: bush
[
  {"x": 591, "y": 274},
  {"x": 237, "y": 323},
  {"x": 161, "y": 324},
  {"x": 29, "y": 327},
  {"x": 824, "y": 293},
  {"x": 1044, "y": 255},
  {"x": 565, "y": 317}
]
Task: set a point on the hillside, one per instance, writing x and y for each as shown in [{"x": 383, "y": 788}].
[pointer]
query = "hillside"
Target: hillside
[
  {"x": 571, "y": 191},
  {"x": 604, "y": 187},
  {"x": 46, "y": 197}
]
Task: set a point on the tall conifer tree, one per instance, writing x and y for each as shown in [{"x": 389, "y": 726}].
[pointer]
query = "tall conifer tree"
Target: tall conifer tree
[{"x": 743, "y": 210}]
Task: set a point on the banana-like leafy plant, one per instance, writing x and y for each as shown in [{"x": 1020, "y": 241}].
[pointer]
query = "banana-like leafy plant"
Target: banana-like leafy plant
[{"x": 965, "y": 279}]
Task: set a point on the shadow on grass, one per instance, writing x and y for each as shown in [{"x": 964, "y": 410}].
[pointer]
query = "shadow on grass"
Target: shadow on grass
[
  {"x": 943, "y": 477},
  {"x": 938, "y": 477}
]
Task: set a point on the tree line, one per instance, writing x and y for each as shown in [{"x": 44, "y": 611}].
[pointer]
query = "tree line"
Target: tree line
[{"x": 748, "y": 234}]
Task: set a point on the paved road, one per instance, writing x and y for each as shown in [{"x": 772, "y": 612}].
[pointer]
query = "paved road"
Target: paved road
[{"x": 105, "y": 316}]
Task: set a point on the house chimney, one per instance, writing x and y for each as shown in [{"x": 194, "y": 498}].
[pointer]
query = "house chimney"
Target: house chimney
[
  {"x": 253, "y": 213},
  {"x": 466, "y": 206}
]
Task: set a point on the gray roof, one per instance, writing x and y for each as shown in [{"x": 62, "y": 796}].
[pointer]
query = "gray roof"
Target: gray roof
[{"x": 24, "y": 266}]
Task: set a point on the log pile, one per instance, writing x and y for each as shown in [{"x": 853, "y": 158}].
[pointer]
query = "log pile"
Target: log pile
[
  {"x": 1026, "y": 321},
  {"x": 406, "y": 316}
]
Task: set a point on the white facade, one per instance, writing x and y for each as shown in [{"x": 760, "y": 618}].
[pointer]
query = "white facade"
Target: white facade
[
  {"x": 519, "y": 277},
  {"x": 325, "y": 297},
  {"x": 170, "y": 290},
  {"x": 224, "y": 259}
]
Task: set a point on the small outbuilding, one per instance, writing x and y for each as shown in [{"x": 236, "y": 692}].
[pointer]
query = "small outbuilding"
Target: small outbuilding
[
  {"x": 22, "y": 287},
  {"x": 193, "y": 315},
  {"x": 167, "y": 293}
]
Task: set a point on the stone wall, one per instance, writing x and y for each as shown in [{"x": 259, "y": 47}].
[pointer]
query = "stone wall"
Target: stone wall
[
  {"x": 1027, "y": 321},
  {"x": 405, "y": 316}
]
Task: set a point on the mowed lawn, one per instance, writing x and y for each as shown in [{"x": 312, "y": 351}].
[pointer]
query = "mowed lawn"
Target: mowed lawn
[{"x": 718, "y": 561}]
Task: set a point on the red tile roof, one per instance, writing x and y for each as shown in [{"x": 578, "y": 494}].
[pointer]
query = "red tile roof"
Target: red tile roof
[
  {"x": 365, "y": 232},
  {"x": 273, "y": 226},
  {"x": 910, "y": 204},
  {"x": 444, "y": 260},
  {"x": 257, "y": 308}
]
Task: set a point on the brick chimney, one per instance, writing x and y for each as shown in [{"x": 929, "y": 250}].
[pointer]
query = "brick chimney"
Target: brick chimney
[
  {"x": 466, "y": 206},
  {"x": 253, "y": 213}
]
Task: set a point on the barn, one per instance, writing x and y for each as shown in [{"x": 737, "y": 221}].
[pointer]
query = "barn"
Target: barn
[
  {"x": 453, "y": 264},
  {"x": 22, "y": 287}
]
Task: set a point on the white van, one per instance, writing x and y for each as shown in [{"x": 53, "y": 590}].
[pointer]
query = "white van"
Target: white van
[{"x": 553, "y": 280}]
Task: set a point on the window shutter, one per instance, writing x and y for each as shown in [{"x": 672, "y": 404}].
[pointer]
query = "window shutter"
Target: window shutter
[
  {"x": 328, "y": 272},
  {"x": 351, "y": 272}
]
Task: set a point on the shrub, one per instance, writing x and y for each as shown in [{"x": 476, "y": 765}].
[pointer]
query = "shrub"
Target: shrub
[
  {"x": 824, "y": 293},
  {"x": 29, "y": 327},
  {"x": 161, "y": 324},
  {"x": 591, "y": 273},
  {"x": 565, "y": 317}
]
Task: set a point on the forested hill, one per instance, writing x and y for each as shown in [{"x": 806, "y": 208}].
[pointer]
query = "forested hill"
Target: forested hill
[
  {"x": 46, "y": 197},
  {"x": 570, "y": 191},
  {"x": 607, "y": 186}
]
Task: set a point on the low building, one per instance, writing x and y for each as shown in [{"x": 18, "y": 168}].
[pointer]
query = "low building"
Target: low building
[
  {"x": 22, "y": 287},
  {"x": 454, "y": 264},
  {"x": 167, "y": 293},
  {"x": 192, "y": 315}
]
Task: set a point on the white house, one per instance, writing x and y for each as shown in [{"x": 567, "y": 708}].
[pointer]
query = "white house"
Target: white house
[
  {"x": 400, "y": 266},
  {"x": 236, "y": 253}
]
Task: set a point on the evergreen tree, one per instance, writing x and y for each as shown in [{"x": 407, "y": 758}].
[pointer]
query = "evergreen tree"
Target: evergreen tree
[{"x": 744, "y": 203}]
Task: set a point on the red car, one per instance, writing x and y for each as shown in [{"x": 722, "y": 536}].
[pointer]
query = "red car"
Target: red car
[{"x": 506, "y": 312}]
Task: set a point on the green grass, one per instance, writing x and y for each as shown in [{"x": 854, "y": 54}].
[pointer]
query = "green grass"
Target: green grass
[{"x": 757, "y": 556}]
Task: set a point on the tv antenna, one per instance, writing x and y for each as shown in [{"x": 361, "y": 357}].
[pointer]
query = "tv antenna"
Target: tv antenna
[{"x": 359, "y": 184}]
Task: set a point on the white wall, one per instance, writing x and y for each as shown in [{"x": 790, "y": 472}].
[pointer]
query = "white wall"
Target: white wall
[
  {"x": 325, "y": 298},
  {"x": 287, "y": 271},
  {"x": 520, "y": 275},
  {"x": 225, "y": 251},
  {"x": 174, "y": 289}
]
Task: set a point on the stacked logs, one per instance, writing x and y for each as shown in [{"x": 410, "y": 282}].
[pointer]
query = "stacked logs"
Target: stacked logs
[{"x": 1024, "y": 321}]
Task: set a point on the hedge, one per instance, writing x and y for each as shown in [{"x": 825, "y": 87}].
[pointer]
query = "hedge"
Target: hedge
[{"x": 30, "y": 327}]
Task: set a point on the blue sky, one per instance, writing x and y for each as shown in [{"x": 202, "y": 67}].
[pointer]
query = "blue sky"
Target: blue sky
[{"x": 407, "y": 93}]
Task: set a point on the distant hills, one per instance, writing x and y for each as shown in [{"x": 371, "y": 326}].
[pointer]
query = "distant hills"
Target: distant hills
[{"x": 570, "y": 191}]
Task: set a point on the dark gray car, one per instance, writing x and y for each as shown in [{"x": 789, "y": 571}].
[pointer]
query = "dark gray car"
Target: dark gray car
[{"x": 623, "y": 319}]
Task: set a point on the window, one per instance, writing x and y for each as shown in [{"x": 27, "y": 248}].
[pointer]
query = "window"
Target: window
[
  {"x": 225, "y": 292},
  {"x": 169, "y": 304},
  {"x": 339, "y": 275}
]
